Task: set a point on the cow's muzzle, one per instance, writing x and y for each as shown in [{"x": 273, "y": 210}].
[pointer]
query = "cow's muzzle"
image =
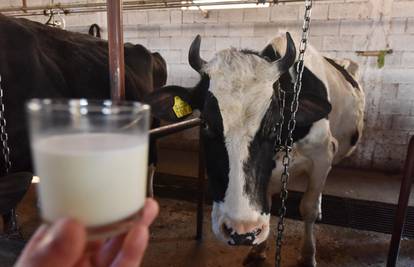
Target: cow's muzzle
[
  {"x": 234, "y": 238},
  {"x": 241, "y": 227}
]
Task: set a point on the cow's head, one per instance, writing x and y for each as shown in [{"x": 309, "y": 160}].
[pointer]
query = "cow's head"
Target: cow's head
[{"x": 238, "y": 99}]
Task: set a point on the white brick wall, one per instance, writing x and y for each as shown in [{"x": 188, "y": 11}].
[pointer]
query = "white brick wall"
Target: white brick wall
[{"x": 339, "y": 28}]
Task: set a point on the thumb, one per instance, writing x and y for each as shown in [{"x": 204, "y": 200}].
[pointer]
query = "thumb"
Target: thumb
[{"x": 61, "y": 245}]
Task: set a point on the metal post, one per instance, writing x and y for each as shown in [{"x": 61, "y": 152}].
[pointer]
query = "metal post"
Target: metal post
[
  {"x": 167, "y": 130},
  {"x": 201, "y": 189},
  {"x": 116, "y": 50},
  {"x": 401, "y": 212},
  {"x": 24, "y": 6}
]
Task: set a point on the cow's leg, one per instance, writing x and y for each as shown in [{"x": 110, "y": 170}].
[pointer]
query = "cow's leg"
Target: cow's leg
[
  {"x": 310, "y": 211},
  {"x": 321, "y": 155},
  {"x": 320, "y": 208},
  {"x": 310, "y": 205}
]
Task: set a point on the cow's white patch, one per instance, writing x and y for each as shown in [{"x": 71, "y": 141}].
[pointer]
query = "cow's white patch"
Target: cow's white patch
[{"x": 243, "y": 86}]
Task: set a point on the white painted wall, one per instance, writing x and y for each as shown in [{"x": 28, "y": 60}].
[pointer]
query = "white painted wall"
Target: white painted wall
[{"x": 339, "y": 28}]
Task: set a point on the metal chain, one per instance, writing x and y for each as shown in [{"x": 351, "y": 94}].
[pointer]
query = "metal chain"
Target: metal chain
[
  {"x": 3, "y": 134},
  {"x": 286, "y": 148}
]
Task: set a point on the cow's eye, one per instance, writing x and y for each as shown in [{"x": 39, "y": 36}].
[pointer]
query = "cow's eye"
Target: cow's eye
[
  {"x": 207, "y": 131},
  {"x": 274, "y": 131}
]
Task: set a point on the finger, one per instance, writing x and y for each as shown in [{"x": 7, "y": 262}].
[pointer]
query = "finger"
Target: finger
[
  {"x": 133, "y": 248},
  {"x": 112, "y": 247},
  {"x": 108, "y": 251},
  {"x": 149, "y": 212},
  {"x": 91, "y": 250},
  {"x": 35, "y": 239},
  {"x": 84, "y": 261},
  {"x": 61, "y": 245},
  {"x": 92, "y": 247}
]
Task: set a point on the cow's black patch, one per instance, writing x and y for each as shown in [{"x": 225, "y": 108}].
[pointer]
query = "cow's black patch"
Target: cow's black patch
[
  {"x": 354, "y": 138},
  {"x": 267, "y": 54},
  {"x": 260, "y": 163},
  {"x": 250, "y": 52},
  {"x": 200, "y": 92},
  {"x": 313, "y": 106},
  {"x": 313, "y": 94},
  {"x": 344, "y": 73},
  {"x": 217, "y": 158}
]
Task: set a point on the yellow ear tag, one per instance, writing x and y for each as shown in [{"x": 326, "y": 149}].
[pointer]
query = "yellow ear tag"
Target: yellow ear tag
[{"x": 181, "y": 108}]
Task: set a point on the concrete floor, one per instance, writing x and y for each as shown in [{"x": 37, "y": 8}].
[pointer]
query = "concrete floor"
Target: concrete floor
[{"x": 172, "y": 242}]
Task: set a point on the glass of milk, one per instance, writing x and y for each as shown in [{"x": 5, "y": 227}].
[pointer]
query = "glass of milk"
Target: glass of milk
[{"x": 91, "y": 158}]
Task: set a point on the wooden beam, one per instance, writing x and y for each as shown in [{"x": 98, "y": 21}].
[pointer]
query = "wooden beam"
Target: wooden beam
[
  {"x": 116, "y": 50},
  {"x": 374, "y": 53}
]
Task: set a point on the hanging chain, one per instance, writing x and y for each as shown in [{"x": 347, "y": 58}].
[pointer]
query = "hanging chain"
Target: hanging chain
[
  {"x": 286, "y": 148},
  {"x": 3, "y": 134}
]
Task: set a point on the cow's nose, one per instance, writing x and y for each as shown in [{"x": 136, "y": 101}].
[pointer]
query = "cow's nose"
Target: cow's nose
[{"x": 237, "y": 239}]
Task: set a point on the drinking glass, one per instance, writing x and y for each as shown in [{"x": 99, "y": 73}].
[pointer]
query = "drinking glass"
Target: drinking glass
[{"x": 91, "y": 158}]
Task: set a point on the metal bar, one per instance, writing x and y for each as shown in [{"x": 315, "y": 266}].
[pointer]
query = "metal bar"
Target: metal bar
[
  {"x": 138, "y": 3},
  {"x": 201, "y": 189},
  {"x": 128, "y": 5},
  {"x": 179, "y": 127},
  {"x": 10, "y": 225},
  {"x": 116, "y": 50},
  {"x": 24, "y": 5},
  {"x": 174, "y": 128},
  {"x": 401, "y": 212}
]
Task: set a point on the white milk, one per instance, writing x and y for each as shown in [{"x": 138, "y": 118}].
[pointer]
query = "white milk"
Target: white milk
[{"x": 95, "y": 178}]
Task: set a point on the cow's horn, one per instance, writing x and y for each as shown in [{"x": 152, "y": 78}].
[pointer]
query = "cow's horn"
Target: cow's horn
[
  {"x": 289, "y": 58},
  {"x": 194, "y": 58}
]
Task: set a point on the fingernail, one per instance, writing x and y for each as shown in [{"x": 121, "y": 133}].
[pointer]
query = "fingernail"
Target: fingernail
[{"x": 54, "y": 233}]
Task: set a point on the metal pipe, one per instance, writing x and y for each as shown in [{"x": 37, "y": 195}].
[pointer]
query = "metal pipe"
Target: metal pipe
[
  {"x": 401, "y": 213},
  {"x": 24, "y": 5},
  {"x": 201, "y": 188},
  {"x": 174, "y": 128},
  {"x": 128, "y": 5},
  {"x": 116, "y": 50}
]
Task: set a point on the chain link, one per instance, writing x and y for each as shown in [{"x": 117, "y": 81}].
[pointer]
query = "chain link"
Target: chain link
[
  {"x": 286, "y": 147},
  {"x": 3, "y": 134}
]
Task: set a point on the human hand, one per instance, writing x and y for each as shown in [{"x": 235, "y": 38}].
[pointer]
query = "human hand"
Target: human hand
[{"x": 64, "y": 244}]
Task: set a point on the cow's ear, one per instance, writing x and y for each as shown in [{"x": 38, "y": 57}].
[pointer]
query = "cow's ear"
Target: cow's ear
[
  {"x": 175, "y": 103},
  {"x": 170, "y": 103}
]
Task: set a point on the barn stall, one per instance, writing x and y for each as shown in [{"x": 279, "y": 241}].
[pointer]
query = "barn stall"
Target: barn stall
[{"x": 361, "y": 191}]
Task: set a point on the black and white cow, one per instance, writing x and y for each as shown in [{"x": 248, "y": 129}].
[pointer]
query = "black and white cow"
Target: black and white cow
[
  {"x": 38, "y": 61},
  {"x": 239, "y": 101}
]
